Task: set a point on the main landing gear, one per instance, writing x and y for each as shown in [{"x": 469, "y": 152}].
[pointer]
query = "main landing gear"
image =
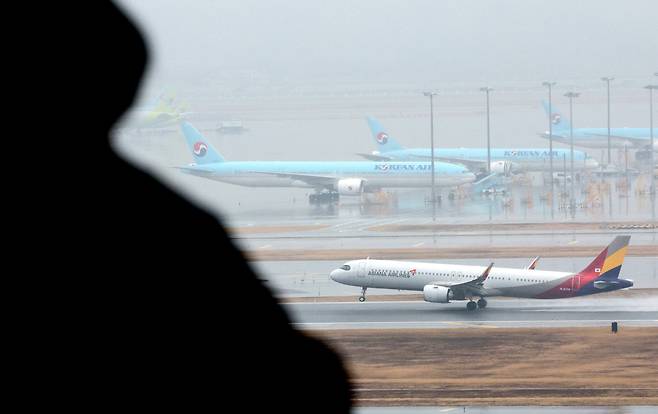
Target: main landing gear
[
  {"x": 323, "y": 197},
  {"x": 472, "y": 305},
  {"x": 362, "y": 298}
]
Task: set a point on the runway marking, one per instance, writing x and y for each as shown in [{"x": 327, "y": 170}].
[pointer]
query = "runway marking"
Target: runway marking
[
  {"x": 477, "y": 324},
  {"x": 573, "y": 242},
  {"x": 382, "y": 222},
  {"x": 418, "y": 244},
  {"x": 561, "y": 308},
  {"x": 471, "y": 325},
  {"x": 355, "y": 303},
  {"x": 347, "y": 223},
  {"x": 265, "y": 246},
  {"x": 445, "y": 410}
]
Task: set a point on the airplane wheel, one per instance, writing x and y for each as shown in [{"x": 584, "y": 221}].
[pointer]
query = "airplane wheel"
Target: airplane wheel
[
  {"x": 362, "y": 298},
  {"x": 482, "y": 303},
  {"x": 471, "y": 306}
]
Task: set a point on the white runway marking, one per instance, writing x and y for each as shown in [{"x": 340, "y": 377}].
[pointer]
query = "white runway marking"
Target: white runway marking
[{"x": 472, "y": 324}]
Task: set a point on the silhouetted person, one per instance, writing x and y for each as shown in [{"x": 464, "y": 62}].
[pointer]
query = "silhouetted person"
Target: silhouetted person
[{"x": 152, "y": 306}]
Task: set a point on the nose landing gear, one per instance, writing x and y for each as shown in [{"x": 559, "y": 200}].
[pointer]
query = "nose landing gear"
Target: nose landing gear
[{"x": 362, "y": 298}]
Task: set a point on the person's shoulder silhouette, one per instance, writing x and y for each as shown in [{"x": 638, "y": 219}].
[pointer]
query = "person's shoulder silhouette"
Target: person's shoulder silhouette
[{"x": 170, "y": 311}]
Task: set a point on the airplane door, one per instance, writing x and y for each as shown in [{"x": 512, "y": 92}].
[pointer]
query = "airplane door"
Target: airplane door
[
  {"x": 361, "y": 269},
  {"x": 576, "y": 282}
]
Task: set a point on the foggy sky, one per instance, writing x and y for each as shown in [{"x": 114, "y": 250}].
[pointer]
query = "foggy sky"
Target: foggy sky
[{"x": 454, "y": 40}]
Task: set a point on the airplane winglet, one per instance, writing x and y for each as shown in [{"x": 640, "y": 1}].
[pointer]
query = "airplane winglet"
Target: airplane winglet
[
  {"x": 485, "y": 274},
  {"x": 533, "y": 263}
]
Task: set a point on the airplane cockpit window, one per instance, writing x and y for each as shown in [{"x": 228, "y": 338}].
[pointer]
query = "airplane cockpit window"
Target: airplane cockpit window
[{"x": 345, "y": 267}]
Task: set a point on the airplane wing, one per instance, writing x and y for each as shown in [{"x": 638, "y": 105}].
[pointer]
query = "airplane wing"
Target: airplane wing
[
  {"x": 472, "y": 165},
  {"x": 374, "y": 157},
  {"x": 474, "y": 286},
  {"x": 622, "y": 138},
  {"x": 310, "y": 179},
  {"x": 193, "y": 169}
]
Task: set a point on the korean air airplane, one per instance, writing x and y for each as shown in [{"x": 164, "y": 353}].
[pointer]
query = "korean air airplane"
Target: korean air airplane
[
  {"x": 326, "y": 177},
  {"x": 442, "y": 283},
  {"x": 503, "y": 160},
  {"x": 598, "y": 137}
]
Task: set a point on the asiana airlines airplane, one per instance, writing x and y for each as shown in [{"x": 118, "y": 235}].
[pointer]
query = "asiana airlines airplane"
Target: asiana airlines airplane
[{"x": 443, "y": 283}]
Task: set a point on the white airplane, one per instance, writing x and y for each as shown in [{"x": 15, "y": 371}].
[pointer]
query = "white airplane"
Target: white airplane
[{"x": 441, "y": 283}]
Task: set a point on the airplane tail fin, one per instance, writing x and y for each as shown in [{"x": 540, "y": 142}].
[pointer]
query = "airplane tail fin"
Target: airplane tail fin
[
  {"x": 168, "y": 103},
  {"x": 607, "y": 264},
  {"x": 383, "y": 141},
  {"x": 202, "y": 151},
  {"x": 559, "y": 122}
]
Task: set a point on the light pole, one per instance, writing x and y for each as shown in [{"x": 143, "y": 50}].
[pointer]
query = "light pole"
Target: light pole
[
  {"x": 550, "y": 134},
  {"x": 571, "y": 96},
  {"x": 487, "y": 90},
  {"x": 651, "y": 88},
  {"x": 431, "y": 96},
  {"x": 607, "y": 80}
]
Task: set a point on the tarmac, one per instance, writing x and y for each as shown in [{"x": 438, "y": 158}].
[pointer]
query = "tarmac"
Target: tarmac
[{"x": 596, "y": 310}]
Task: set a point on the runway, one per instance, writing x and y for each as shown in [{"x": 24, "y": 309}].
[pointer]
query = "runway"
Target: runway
[
  {"x": 357, "y": 235},
  {"x": 500, "y": 313}
]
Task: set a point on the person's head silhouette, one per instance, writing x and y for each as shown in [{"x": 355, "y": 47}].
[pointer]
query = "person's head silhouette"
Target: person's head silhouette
[{"x": 170, "y": 313}]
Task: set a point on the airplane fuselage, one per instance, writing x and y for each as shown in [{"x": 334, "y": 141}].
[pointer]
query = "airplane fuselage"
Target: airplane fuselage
[
  {"x": 303, "y": 173},
  {"x": 598, "y": 137},
  {"x": 525, "y": 159},
  {"x": 511, "y": 282}
]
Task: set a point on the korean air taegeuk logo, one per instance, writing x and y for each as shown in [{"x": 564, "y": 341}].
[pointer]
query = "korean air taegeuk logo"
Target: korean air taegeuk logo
[
  {"x": 555, "y": 119},
  {"x": 200, "y": 149},
  {"x": 382, "y": 137}
]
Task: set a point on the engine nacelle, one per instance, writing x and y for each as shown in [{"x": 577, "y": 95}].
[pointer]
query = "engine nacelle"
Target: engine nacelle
[
  {"x": 437, "y": 294},
  {"x": 503, "y": 167},
  {"x": 350, "y": 186}
]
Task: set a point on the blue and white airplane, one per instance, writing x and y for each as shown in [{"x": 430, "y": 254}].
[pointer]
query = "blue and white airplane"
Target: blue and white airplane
[
  {"x": 598, "y": 137},
  {"x": 335, "y": 177},
  {"x": 503, "y": 160}
]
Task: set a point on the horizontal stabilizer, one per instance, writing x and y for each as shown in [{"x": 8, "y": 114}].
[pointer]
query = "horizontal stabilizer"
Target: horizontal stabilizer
[{"x": 374, "y": 157}]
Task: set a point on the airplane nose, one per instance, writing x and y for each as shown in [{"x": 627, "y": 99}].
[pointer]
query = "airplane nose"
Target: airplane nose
[{"x": 334, "y": 275}]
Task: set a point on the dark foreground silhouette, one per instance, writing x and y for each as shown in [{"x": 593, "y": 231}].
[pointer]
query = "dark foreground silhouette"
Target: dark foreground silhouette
[{"x": 154, "y": 307}]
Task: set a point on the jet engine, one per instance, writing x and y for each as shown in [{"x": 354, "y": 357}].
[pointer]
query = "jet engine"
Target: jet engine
[
  {"x": 437, "y": 294},
  {"x": 350, "y": 186},
  {"x": 503, "y": 167}
]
